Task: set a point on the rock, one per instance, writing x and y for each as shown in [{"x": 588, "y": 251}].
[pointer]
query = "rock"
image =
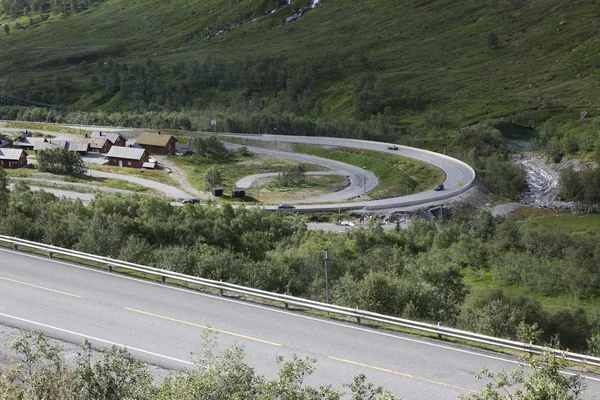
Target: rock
[
  {"x": 584, "y": 115},
  {"x": 563, "y": 22},
  {"x": 193, "y": 12}
]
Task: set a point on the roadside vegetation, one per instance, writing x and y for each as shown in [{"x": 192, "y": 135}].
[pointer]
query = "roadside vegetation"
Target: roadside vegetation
[
  {"x": 43, "y": 373},
  {"x": 112, "y": 373},
  {"x": 442, "y": 272}
]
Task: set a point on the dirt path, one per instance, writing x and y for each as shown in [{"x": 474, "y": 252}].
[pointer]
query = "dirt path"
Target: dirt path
[{"x": 181, "y": 177}]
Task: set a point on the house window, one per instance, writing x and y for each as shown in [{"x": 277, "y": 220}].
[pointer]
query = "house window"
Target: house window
[{"x": 129, "y": 163}]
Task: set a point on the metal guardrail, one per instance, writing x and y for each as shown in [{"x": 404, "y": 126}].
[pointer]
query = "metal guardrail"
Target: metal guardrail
[{"x": 288, "y": 300}]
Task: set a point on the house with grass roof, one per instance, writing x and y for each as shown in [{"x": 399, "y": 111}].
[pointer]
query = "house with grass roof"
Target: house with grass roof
[{"x": 157, "y": 143}]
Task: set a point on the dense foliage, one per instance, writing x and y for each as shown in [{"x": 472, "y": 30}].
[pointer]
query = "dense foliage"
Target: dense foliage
[
  {"x": 416, "y": 272},
  {"x": 545, "y": 381},
  {"x": 16, "y": 8},
  {"x": 60, "y": 161},
  {"x": 583, "y": 187},
  {"x": 42, "y": 373}
]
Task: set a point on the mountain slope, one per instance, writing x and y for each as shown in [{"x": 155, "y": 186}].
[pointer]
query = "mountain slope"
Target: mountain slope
[{"x": 472, "y": 60}]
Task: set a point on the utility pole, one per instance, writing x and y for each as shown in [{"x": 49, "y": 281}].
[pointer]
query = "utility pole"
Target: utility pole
[
  {"x": 325, "y": 258},
  {"x": 258, "y": 183}
]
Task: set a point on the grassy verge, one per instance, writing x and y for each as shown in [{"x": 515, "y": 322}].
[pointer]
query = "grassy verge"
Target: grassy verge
[
  {"x": 398, "y": 176},
  {"x": 153, "y": 175},
  {"x": 562, "y": 220},
  {"x": 43, "y": 127},
  {"x": 268, "y": 189}
]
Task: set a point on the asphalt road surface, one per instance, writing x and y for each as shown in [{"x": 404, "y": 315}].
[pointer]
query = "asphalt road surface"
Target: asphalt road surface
[
  {"x": 361, "y": 180},
  {"x": 163, "y": 325},
  {"x": 459, "y": 175}
]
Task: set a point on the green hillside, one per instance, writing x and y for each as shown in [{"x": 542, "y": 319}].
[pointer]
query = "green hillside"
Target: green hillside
[{"x": 442, "y": 63}]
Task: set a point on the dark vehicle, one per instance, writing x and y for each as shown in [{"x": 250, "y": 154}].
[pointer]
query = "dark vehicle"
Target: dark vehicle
[
  {"x": 392, "y": 147},
  {"x": 191, "y": 201},
  {"x": 286, "y": 207},
  {"x": 439, "y": 187}
]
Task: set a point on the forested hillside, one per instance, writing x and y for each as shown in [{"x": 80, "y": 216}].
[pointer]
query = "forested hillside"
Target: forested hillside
[{"x": 387, "y": 69}]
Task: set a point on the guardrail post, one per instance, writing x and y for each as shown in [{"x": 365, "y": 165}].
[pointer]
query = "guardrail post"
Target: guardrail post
[
  {"x": 15, "y": 246},
  {"x": 163, "y": 279},
  {"x": 439, "y": 334},
  {"x": 50, "y": 254},
  {"x": 286, "y": 305},
  {"x": 221, "y": 289},
  {"x": 109, "y": 268}
]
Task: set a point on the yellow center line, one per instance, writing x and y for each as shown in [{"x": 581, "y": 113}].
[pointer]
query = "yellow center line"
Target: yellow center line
[
  {"x": 203, "y": 327},
  {"x": 401, "y": 374},
  {"x": 40, "y": 287}
]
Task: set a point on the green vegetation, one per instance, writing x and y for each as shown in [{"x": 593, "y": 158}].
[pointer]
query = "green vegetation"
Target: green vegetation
[
  {"x": 153, "y": 175},
  {"x": 530, "y": 282},
  {"x": 545, "y": 381},
  {"x": 60, "y": 161},
  {"x": 397, "y": 71},
  {"x": 43, "y": 127},
  {"x": 397, "y": 175},
  {"x": 113, "y": 374},
  {"x": 583, "y": 187},
  {"x": 231, "y": 169}
]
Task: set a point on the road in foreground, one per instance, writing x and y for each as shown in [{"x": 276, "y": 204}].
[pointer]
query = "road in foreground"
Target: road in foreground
[{"x": 163, "y": 325}]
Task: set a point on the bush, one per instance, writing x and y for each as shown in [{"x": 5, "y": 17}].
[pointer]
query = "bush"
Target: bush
[{"x": 60, "y": 161}]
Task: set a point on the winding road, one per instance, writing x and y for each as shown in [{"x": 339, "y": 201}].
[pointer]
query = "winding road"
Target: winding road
[
  {"x": 361, "y": 180},
  {"x": 459, "y": 175}
]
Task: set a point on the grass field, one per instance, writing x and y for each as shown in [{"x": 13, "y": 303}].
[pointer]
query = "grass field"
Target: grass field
[
  {"x": 563, "y": 220},
  {"x": 232, "y": 169},
  {"x": 161, "y": 176}
]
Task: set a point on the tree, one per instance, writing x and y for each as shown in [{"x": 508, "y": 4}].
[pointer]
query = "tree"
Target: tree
[
  {"x": 60, "y": 161},
  {"x": 492, "y": 40},
  {"x": 212, "y": 178},
  {"x": 4, "y": 192},
  {"x": 546, "y": 381},
  {"x": 292, "y": 175}
]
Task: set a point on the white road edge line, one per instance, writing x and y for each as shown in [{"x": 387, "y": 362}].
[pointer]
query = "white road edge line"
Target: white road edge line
[
  {"x": 288, "y": 313},
  {"x": 96, "y": 339}
]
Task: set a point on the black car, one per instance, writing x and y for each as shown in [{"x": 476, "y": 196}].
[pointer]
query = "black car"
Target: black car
[
  {"x": 392, "y": 147},
  {"x": 191, "y": 201},
  {"x": 286, "y": 207},
  {"x": 439, "y": 187}
]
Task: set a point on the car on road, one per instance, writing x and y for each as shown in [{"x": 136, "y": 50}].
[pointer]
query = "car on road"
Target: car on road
[
  {"x": 286, "y": 207},
  {"x": 392, "y": 147},
  {"x": 439, "y": 187},
  {"x": 191, "y": 201}
]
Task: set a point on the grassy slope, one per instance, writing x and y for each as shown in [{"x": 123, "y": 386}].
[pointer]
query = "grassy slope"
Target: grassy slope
[{"x": 408, "y": 42}]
